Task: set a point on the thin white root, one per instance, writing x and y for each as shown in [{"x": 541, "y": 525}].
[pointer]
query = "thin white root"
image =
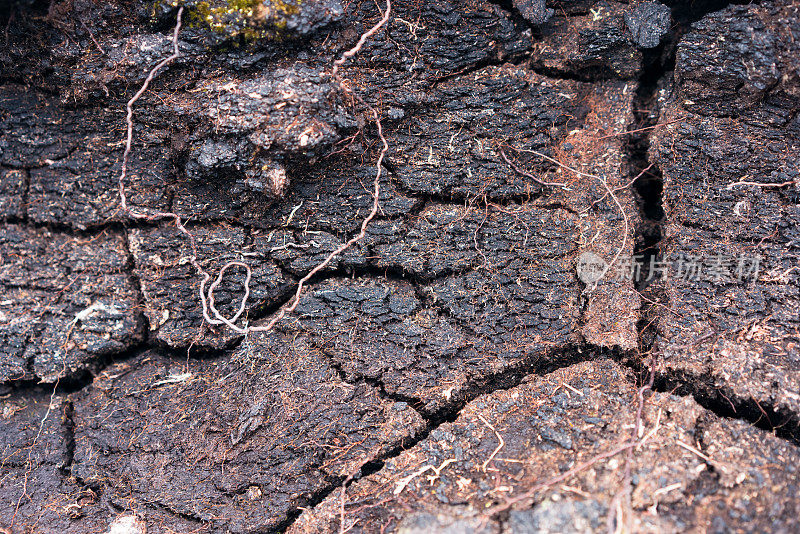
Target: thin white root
[
  {"x": 404, "y": 482},
  {"x": 600, "y": 179},
  {"x": 499, "y": 447},
  {"x": 209, "y": 310},
  {"x": 693, "y": 450}
]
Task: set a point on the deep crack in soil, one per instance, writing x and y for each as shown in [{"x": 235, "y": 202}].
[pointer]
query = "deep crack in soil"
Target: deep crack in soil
[{"x": 451, "y": 360}]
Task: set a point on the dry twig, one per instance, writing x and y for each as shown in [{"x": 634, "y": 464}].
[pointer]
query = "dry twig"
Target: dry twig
[{"x": 760, "y": 184}]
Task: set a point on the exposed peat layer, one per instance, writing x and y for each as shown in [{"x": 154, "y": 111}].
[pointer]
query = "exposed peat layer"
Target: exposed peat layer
[{"x": 576, "y": 309}]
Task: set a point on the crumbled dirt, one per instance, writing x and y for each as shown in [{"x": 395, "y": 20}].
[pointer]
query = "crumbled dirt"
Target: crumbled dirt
[
  {"x": 695, "y": 472},
  {"x": 237, "y": 443},
  {"x": 732, "y": 125},
  {"x": 527, "y": 140},
  {"x": 40, "y": 494},
  {"x": 68, "y": 301},
  {"x": 68, "y": 162},
  {"x": 603, "y": 42}
]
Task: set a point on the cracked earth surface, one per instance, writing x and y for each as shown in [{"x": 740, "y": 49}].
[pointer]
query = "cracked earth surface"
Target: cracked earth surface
[{"x": 451, "y": 372}]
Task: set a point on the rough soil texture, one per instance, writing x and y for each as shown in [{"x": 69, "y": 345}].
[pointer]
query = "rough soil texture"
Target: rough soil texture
[
  {"x": 454, "y": 371},
  {"x": 732, "y": 125},
  {"x": 550, "y": 424}
]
